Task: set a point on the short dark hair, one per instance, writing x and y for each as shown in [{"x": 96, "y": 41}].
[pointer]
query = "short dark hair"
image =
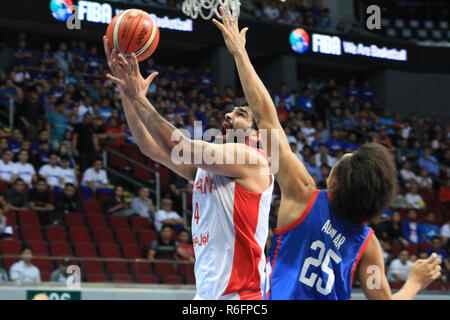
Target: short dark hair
[
  {"x": 26, "y": 248},
  {"x": 365, "y": 183},
  {"x": 244, "y": 103},
  {"x": 69, "y": 184},
  {"x": 180, "y": 231}
]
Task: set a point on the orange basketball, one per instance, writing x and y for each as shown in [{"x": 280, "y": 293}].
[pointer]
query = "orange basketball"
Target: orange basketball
[{"x": 135, "y": 31}]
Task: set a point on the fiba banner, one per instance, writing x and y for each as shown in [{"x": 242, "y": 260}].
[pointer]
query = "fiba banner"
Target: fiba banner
[{"x": 337, "y": 45}]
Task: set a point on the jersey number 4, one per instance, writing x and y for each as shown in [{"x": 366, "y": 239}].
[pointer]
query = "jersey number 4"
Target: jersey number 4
[
  {"x": 196, "y": 216},
  {"x": 323, "y": 263}
]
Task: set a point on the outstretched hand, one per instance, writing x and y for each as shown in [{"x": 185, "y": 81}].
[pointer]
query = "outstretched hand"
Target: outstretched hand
[
  {"x": 125, "y": 73},
  {"x": 424, "y": 271},
  {"x": 234, "y": 39}
]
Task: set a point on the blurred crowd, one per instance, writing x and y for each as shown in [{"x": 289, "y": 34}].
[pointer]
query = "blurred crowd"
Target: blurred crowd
[{"x": 67, "y": 111}]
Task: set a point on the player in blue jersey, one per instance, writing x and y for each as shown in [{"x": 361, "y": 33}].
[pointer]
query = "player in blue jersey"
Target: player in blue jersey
[{"x": 322, "y": 237}]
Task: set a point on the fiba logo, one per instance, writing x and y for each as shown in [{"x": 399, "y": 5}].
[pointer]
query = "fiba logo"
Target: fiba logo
[
  {"x": 299, "y": 40},
  {"x": 61, "y": 9},
  {"x": 65, "y": 10}
]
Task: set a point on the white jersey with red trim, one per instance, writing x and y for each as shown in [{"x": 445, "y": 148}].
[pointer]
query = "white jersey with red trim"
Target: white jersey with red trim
[{"x": 229, "y": 232}]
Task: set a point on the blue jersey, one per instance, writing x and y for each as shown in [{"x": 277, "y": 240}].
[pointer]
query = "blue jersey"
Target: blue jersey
[{"x": 315, "y": 257}]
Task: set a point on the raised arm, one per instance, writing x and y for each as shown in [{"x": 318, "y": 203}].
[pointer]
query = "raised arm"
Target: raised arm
[
  {"x": 171, "y": 141},
  {"x": 292, "y": 176},
  {"x": 144, "y": 140}
]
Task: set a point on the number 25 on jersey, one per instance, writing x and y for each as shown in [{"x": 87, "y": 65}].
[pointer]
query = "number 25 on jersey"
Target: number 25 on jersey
[{"x": 323, "y": 262}]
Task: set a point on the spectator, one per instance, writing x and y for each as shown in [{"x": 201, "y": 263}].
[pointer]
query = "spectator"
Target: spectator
[
  {"x": 52, "y": 172},
  {"x": 407, "y": 175},
  {"x": 352, "y": 144},
  {"x": 22, "y": 55},
  {"x": 366, "y": 93},
  {"x": 40, "y": 201},
  {"x": 164, "y": 248},
  {"x": 411, "y": 228},
  {"x": 186, "y": 252},
  {"x": 305, "y": 101},
  {"x": 430, "y": 162},
  {"x": 413, "y": 199},
  {"x": 394, "y": 230},
  {"x": 436, "y": 247},
  {"x": 47, "y": 58},
  {"x": 323, "y": 152},
  {"x": 9, "y": 92},
  {"x": 445, "y": 232},
  {"x": 165, "y": 216},
  {"x": 271, "y": 11},
  {"x": 424, "y": 181},
  {"x": 324, "y": 21},
  {"x": 56, "y": 124},
  {"x": 68, "y": 175},
  {"x": 115, "y": 131},
  {"x": 6, "y": 231},
  {"x": 25, "y": 170},
  {"x": 8, "y": 171},
  {"x": 3, "y": 275},
  {"x": 116, "y": 205},
  {"x": 31, "y": 114},
  {"x": 16, "y": 198},
  {"x": 94, "y": 178},
  {"x": 399, "y": 268},
  {"x": 24, "y": 271},
  {"x": 67, "y": 201},
  {"x": 429, "y": 229},
  {"x": 60, "y": 274},
  {"x": 286, "y": 96},
  {"x": 334, "y": 144},
  {"x": 84, "y": 142},
  {"x": 143, "y": 205}
]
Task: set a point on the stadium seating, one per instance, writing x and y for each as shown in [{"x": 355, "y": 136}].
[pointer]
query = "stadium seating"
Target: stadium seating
[
  {"x": 10, "y": 246},
  {"x": 125, "y": 236},
  {"x": 118, "y": 222},
  {"x": 122, "y": 278},
  {"x": 60, "y": 248},
  {"x": 92, "y": 207},
  {"x": 103, "y": 235},
  {"x": 97, "y": 277},
  {"x": 109, "y": 250},
  {"x": 92, "y": 267},
  {"x": 85, "y": 250},
  {"x": 31, "y": 233},
  {"x": 140, "y": 223},
  {"x": 164, "y": 268},
  {"x": 132, "y": 251},
  {"x": 172, "y": 279},
  {"x": 97, "y": 221},
  {"x": 147, "y": 279},
  {"x": 55, "y": 234},
  {"x": 74, "y": 220},
  {"x": 28, "y": 218},
  {"x": 146, "y": 237},
  {"x": 79, "y": 234},
  {"x": 39, "y": 247}
]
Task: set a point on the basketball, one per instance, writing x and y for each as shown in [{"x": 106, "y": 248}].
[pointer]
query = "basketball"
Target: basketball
[{"x": 133, "y": 31}]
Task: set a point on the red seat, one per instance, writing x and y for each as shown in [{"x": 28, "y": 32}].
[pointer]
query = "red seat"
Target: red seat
[
  {"x": 125, "y": 236},
  {"x": 101, "y": 277},
  {"x": 190, "y": 280},
  {"x": 131, "y": 150},
  {"x": 103, "y": 235},
  {"x": 412, "y": 248},
  {"x": 85, "y": 250},
  {"x": 43, "y": 264},
  {"x": 140, "y": 223},
  {"x": 395, "y": 249},
  {"x": 92, "y": 207},
  {"x": 60, "y": 249},
  {"x": 79, "y": 235},
  {"x": 147, "y": 279},
  {"x": 132, "y": 251},
  {"x": 109, "y": 250},
  {"x": 97, "y": 221},
  {"x": 172, "y": 280},
  {"x": 395, "y": 285},
  {"x": 122, "y": 278},
  {"x": 141, "y": 173},
  {"x": 103, "y": 196},
  {"x": 39, "y": 247},
  {"x": 186, "y": 270},
  {"x": 55, "y": 234},
  {"x": 146, "y": 237},
  {"x": 74, "y": 220},
  {"x": 10, "y": 218},
  {"x": 164, "y": 179},
  {"x": 117, "y": 161},
  {"x": 10, "y": 246},
  {"x": 116, "y": 267},
  {"x": 118, "y": 222},
  {"x": 28, "y": 218},
  {"x": 31, "y": 233},
  {"x": 8, "y": 262},
  {"x": 92, "y": 267},
  {"x": 435, "y": 286},
  {"x": 3, "y": 187},
  {"x": 45, "y": 276},
  {"x": 141, "y": 268},
  {"x": 165, "y": 268}
]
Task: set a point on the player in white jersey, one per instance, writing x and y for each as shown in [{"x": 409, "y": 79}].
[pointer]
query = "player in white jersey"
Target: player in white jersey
[{"x": 232, "y": 189}]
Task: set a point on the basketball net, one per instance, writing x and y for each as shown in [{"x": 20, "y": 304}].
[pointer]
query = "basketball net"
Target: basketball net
[{"x": 207, "y": 8}]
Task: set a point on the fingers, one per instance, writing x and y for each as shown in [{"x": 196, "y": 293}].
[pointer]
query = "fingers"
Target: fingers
[
  {"x": 218, "y": 25},
  {"x": 244, "y": 32},
  {"x": 134, "y": 64},
  {"x": 124, "y": 62},
  {"x": 225, "y": 20},
  {"x": 117, "y": 81},
  {"x": 150, "y": 78},
  {"x": 431, "y": 258},
  {"x": 106, "y": 46}
]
